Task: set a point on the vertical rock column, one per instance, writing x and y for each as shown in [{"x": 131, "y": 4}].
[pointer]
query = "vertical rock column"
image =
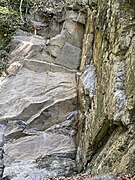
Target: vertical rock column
[
  {"x": 86, "y": 89},
  {"x": 106, "y": 135}
]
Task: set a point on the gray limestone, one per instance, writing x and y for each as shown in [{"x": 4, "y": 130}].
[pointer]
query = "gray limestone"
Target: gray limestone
[
  {"x": 38, "y": 99},
  {"x": 88, "y": 79},
  {"x": 69, "y": 56}
]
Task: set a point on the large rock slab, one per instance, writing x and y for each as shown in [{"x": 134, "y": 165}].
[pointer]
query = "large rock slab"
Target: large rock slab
[
  {"x": 30, "y": 148},
  {"x": 47, "y": 145},
  {"x": 52, "y": 115},
  {"x": 74, "y": 32},
  {"x": 69, "y": 56},
  {"x": 71, "y": 33},
  {"x": 37, "y": 95},
  {"x": 26, "y": 46},
  {"x": 106, "y": 134},
  {"x": 38, "y": 99},
  {"x": 24, "y": 95}
]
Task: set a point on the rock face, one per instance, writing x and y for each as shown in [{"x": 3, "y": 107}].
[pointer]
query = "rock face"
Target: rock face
[
  {"x": 106, "y": 138},
  {"x": 38, "y": 99},
  {"x": 68, "y": 102}
]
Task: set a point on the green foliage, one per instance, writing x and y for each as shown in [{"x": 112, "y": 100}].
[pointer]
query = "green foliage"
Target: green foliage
[
  {"x": 11, "y": 13},
  {"x": 8, "y": 23}
]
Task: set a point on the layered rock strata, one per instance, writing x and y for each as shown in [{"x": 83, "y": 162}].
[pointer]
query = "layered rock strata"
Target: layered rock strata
[
  {"x": 38, "y": 98},
  {"x": 68, "y": 103}
]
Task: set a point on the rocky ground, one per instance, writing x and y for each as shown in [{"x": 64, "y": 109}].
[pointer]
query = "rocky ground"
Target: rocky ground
[{"x": 94, "y": 177}]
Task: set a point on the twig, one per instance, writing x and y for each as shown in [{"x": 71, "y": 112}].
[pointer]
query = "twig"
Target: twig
[{"x": 21, "y": 11}]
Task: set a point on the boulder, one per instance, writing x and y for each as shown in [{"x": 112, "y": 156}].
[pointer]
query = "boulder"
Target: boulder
[
  {"x": 47, "y": 146},
  {"x": 28, "y": 92}
]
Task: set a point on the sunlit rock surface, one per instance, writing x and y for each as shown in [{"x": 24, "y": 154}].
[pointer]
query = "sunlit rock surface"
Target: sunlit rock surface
[
  {"x": 106, "y": 138},
  {"x": 38, "y": 99},
  {"x": 67, "y": 104}
]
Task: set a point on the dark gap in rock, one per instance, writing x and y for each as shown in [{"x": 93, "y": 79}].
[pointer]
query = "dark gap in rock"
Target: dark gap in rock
[
  {"x": 103, "y": 136},
  {"x": 101, "y": 139},
  {"x": 132, "y": 115}
]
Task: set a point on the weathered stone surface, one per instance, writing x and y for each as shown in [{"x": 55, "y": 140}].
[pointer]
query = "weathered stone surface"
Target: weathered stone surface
[
  {"x": 55, "y": 44},
  {"x": 71, "y": 33},
  {"x": 43, "y": 56},
  {"x": 22, "y": 154},
  {"x": 26, "y": 46},
  {"x": 68, "y": 127},
  {"x": 58, "y": 164},
  {"x": 26, "y": 170},
  {"x": 25, "y": 94},
  {"x": 39, "y": 66},
  {"x": 2, "y": 130},
  {"x": 41, "y": 28},
  {"x": 89, "y": 80},
  {"x": 74, "y": 32},
  {"x": 58, "y": 40},
  {"x": 19, "y": 36},
  {"x": 69, "y": 57},
  {"x": 80, "y": 18},
  {"x": 105, "y": 135},
  {"x": 30, "y": 148},
  {"x": 38, "y": 99},
  {"x": 117, "y": 153},
  {"x": 53, "y": 50},
  {"x": 52, "y": 115}
]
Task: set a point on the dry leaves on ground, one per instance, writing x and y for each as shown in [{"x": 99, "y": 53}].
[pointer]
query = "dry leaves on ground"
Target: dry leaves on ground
[{"x": 83, "y": 176}]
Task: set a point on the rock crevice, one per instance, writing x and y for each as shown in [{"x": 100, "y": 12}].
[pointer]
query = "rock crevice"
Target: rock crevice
[
  {"x": 67, "y": 104},
  {"x": 105, "y": 119}
]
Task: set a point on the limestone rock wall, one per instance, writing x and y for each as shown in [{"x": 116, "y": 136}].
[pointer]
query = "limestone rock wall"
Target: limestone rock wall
[
  {"x": 67, "y": 103},
  {"x": 106, "y": 138},
  {"x": 38, "y": 97}
]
